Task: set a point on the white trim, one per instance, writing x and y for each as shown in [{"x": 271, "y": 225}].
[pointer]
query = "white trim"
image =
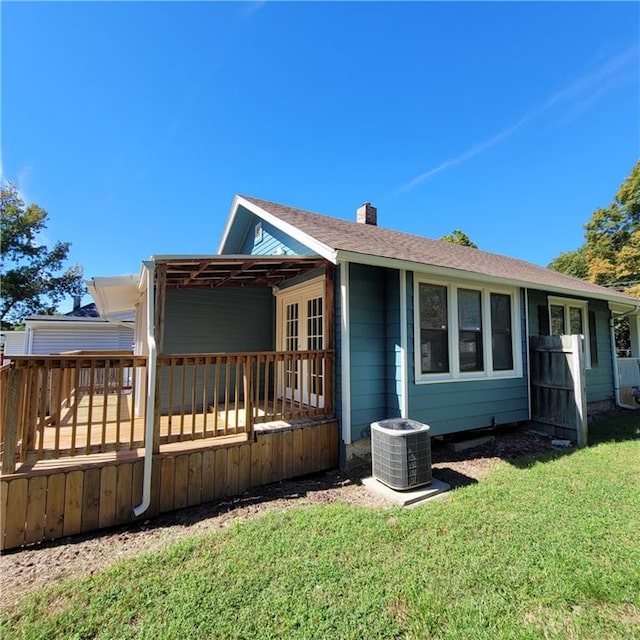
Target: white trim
[
  {"x": 298, "y": 293},
  {"x": 576, "y": 303},
  {"x": 618, "y": 308},
  {"x": 454, "y": 374},
  {"x": 138, "y": 510},
  {"x": 404, "y": 372},
  {"x": 449, "y": 272},
  {"x": 114, "y": 295},
  {"x": 345, "y": 353},
  {"x": 231, "y": 216},
  {"x": 320, "y": 248}
]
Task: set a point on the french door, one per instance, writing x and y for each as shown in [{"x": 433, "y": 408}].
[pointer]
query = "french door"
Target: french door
[{"x": 300, "y": 320}]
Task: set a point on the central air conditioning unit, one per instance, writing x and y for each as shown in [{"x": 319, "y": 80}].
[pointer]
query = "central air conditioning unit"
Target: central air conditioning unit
[{"x": 401, "y": 453}]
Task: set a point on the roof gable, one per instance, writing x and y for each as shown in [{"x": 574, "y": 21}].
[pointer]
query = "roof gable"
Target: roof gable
[{"x": 334, "y": 238}]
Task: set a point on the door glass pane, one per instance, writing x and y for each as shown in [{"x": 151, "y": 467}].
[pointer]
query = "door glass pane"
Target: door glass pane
[
  {"x": 291, "y": 330},
  {"x": 575, "y": 320},
  {"x": 501, "y": 342},
  {"x": 315, "y": 340},
  {"x": 291, "y": 344},
  {"x": 557, "y": 320},
  {"x": 434, "y": 333},
  {"x": 470, "y": 330}
]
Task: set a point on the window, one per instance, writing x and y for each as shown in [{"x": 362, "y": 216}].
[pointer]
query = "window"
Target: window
[
  {"x": 470, "y": 330},
  {"x": 570, "y": 317},
  {"x": 434, "y": 332},
  {"x": 501, "y": 340},
  {"x": 465, "y": 332}
]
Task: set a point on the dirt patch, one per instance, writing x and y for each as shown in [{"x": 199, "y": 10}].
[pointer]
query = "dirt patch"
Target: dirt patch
[{"x": 27, "y": 569}]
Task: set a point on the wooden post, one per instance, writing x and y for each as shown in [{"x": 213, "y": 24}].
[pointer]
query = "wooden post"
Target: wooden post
[
  {"x": 577, "y": 367},
  {"x": 247, "y": 388},
  {"x": 156, "y": 412},
  {"x": 14, "y": 398},
  {"x": 161, "y": 289},
  {"x": 329, "y": 304},
  {"x": 329, "y": 343}
]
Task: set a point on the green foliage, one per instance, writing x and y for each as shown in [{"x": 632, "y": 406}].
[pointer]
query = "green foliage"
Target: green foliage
[
  {"x": 573, "y": 263},
  {"x": 538, "y": 549},
  {"x": 459, "y": 237},
  {"x": 33, "y": 277},
  {"x": 610, "y": 255}
]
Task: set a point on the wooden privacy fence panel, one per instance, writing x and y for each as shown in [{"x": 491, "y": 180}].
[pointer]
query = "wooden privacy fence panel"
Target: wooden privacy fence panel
[
  {"x": 40, "y": 506},
  {"x": 558, "y": 391},
  {"x": 58, "y": 406}
]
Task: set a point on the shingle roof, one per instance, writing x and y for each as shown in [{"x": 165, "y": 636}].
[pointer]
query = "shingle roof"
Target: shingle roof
[{"x": 371, "y": 240}]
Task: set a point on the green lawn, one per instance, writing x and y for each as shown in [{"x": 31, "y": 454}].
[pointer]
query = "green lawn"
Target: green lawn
[{"x": 538, "y": 549}]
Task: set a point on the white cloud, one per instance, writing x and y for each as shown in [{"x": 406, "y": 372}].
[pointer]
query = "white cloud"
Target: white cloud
[{"x": 576, "y": 96}]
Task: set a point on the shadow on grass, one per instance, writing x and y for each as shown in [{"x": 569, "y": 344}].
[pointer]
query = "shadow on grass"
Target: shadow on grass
[{"x": 618, "y": 425}]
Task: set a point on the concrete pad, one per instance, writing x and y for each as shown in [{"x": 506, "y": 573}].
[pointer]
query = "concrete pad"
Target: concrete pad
[{"x": 409, "y": 498}]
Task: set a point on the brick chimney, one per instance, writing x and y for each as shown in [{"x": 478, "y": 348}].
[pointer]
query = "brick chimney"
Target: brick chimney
[{"x": 367, "y": 214}]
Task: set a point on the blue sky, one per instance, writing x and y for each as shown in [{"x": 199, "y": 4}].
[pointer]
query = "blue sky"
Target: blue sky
[{"x": 134, "y": 124}]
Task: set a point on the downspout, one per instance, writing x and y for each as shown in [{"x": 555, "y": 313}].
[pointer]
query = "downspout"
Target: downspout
[
  {"x": 151, "y": 392},
  {"x": 614, "y": 358},
  {"x": 404, "y": 365}
]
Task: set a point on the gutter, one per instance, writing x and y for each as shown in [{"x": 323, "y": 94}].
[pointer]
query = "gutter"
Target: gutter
[{"x": 149, "y": 269}]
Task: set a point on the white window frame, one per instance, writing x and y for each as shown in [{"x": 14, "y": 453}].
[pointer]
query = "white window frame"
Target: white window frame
[
  {"x": 575, "y": 303},
  {"x": 454, "y": 374}
]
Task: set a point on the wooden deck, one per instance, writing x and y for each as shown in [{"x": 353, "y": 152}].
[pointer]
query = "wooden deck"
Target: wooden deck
[
  {"x": 50, "y": 499},
  {"x": 119, "y": 429},
  {"x": 73, "y": 447}
]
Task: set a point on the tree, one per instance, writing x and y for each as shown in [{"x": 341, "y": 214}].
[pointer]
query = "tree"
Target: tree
[
  {"x": 610, "y": 255},
  {"x": 459, "y": 237},
  {"x": 573, "y": 263},
  {"x": 33, "y": 277}
]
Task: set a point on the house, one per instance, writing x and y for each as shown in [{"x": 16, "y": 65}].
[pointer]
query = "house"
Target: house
[
  {"x": 271, "y": 358},
  {"x": 81, "y": 329},
  {"x": 420, "y": 328}
]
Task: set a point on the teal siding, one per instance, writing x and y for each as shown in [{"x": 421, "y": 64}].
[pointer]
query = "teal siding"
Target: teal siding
[
  {"x": 448, "y": 407},
  {"x": 217, "y": 320},
  {"x": 368, "y": 347},
  {"x": 599, "y": 379},
  {"x": 214, "y": 321},
  {"x": 273, "y": 242},
  {"x": 241, "y": 238}
]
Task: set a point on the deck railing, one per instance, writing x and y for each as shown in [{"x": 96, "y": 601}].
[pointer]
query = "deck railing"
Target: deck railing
[
  {"x": 58, "y": 406},
  {"x": 82, "y": 404},
  {"x": 208, "y": 395}
]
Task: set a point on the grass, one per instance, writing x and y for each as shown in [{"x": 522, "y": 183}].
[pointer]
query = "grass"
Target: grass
[{"x": 546, "y": 549}]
